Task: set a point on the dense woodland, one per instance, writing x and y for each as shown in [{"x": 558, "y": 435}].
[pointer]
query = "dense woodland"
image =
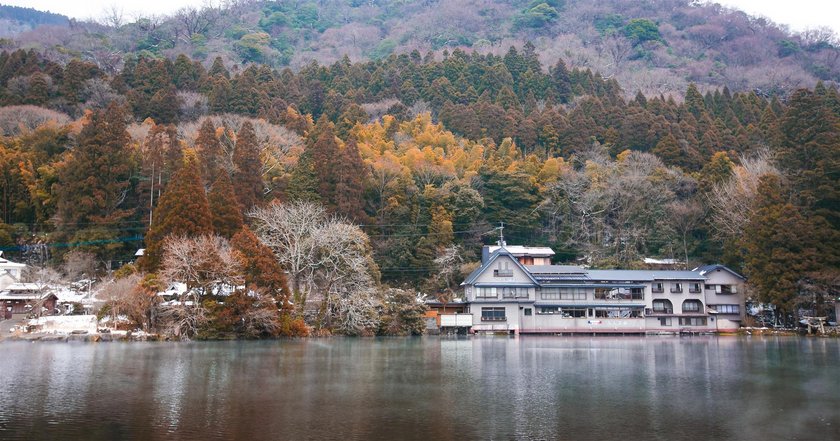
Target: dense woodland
[{"x": 337, "y": 192}]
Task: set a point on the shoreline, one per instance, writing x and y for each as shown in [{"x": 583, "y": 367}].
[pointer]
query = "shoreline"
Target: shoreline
[{"x": 129, "y": 337}]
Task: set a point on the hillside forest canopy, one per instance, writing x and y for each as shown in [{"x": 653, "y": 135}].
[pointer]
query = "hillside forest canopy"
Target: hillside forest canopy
[{"x": 338, "y": 192}]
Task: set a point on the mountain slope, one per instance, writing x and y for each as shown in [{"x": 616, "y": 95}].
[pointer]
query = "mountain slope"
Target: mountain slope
[{"x": 652, "y": 46}]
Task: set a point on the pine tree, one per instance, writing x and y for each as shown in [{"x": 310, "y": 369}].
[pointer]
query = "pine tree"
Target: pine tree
[
  {"x": 183, "y": 211},
  {"x": 226, "y": 212},
  {"x": 247, "y": 168}
]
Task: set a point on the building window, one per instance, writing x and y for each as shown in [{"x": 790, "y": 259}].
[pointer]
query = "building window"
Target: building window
[
  {"x": 563, "y": 294},
  {"x": 528, "y": 311},
  {"x": 663, "y": 306},
  {"x": 486, "y": 293},
  {"x": 658, "y": 287},
  {"x": 510, "y": 293},
  {"x": 692, "y": 306},
  {"x": 617, "y": 312},
  {"x": 728, "y": 309},
  {"x": 692, "y": 321},
  {"x": 694, "y": 288},
  {"x": 493, "y": 314},
  {"x": 664, "y": 321},
  {"x": 565, "y": 312},
  {"x": 573, "y": 312},
  {"x": 503, "y": 270},
  {"x": 619, "y": 294},
  {"x": 572, "y": 294},
  {"x": 676, "y": 288},
  {"x": 725, "y": 289}
]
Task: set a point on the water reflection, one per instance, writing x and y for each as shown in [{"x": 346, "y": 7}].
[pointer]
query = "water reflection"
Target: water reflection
[{"x": 429, "y": 388}]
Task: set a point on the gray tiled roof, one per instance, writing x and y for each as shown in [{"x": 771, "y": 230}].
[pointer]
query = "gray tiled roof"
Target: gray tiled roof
[{"x": 556, "y": 269}]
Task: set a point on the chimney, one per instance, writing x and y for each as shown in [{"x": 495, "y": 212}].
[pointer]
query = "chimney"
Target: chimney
[{"x": 485, "y": 254}]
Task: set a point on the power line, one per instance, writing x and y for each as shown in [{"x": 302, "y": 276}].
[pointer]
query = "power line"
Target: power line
[{"x": 74, "y": 244}]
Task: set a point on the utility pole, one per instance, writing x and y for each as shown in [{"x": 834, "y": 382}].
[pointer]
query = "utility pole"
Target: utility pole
[{"x": 501, "y": 229}]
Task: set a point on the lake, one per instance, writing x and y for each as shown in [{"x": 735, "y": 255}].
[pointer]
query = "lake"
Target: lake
[{"x": 566, "y": 388}]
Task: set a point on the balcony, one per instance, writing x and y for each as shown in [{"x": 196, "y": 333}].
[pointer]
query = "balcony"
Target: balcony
[
  {"x": 657, "y": 311},
  {"x": 503, "y": 273},
  {"x": 657, "y": 289}
]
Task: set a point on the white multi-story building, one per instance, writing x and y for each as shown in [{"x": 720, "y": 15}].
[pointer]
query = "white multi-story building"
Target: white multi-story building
[{"x": 517, "y": 290}]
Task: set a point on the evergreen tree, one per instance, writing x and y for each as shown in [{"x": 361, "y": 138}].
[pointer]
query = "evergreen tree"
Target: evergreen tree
[
  {"x": 183, "y": 211},
  {"x": 259, "y": 266},
  {"x": 94, "y": 180},
  {"x": 351, "y": 178},
  {"x": 810, "y": 154},
  {"x": 784, "y": 248},
  {"x": 247, "y": 168},
  {"x": 210, "y": 152},
  {"x": 226, "y": 212}
]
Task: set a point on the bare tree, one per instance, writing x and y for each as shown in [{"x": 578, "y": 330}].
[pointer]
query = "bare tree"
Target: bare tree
[
  {"x": 114, "y": 295},
  {"x": 684, "y": 217},
  {"x": 328, "y": 260},
  {"x": 79, "y": 263},
  {"x": 45, "y": 280},
  {"x": 732, "y": 200},
  {"x": 207, "y": 266}
]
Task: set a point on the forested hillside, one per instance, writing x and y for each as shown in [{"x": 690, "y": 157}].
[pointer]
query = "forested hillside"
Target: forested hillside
[
  {"x": 15, "y": 20},
  {"x": 650, "y": 46},
  {"x": 426, "y": 155},
  {"x": 352, "y": 177}
]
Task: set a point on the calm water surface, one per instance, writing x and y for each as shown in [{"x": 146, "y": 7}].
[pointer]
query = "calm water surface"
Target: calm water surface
[{"x": 574, "y": 388}]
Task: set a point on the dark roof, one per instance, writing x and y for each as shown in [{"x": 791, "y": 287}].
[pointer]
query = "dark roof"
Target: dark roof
[
  {"x": 705, "y": 269},
  {"x": 556, "y": 269},
  {"x": 493, "y": 256}
]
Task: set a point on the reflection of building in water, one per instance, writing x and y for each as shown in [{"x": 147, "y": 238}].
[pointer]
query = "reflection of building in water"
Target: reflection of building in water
[{"x": 516, "y": 290}]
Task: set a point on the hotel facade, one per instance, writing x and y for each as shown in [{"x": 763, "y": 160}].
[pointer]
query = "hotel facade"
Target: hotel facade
[{"x": 516, "y": 290}]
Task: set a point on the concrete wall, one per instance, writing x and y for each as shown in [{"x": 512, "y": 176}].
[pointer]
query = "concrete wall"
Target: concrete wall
[{"x": 725, "y": 322}]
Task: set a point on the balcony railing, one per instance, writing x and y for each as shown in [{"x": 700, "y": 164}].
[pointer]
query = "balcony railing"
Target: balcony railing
[
  {"x": 654, "y": 311},
  {"x": 619, "y": 296},
  {"x": 493, "y": 319},
  {"x": 657, "y": 290},
  {"x": 503, "y": 273}
]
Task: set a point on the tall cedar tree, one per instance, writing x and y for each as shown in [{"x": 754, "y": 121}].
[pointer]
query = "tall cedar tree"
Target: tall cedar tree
[
  {"x": 783, "y": 247},
  {"x": 210, "y": 152},
  {"x": 810, "y": 153},
  {"x": 351, "y": 178},
  {"x": 248, "y": 168},
  {"x": 94, "y": 181},
  {"x": 324, "y": 152},
  {"x": 183, "y": 210},
  {"x": 259, "y": 266},
  {"x": 227, "y": 215}
]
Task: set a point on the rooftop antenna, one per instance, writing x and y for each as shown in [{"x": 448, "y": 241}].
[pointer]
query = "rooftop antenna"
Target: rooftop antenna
[{"x": 501, "y": 229}]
